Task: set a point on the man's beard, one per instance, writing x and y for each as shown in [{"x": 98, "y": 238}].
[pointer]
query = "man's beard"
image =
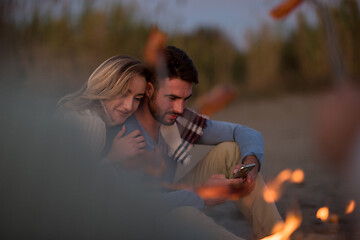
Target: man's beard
[{"x": 156, "y": 114}]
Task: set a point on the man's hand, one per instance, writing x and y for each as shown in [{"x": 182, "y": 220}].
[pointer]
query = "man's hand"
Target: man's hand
[
  {"x": 124, "y": 149},
  {"x": 249, "y": 182}
]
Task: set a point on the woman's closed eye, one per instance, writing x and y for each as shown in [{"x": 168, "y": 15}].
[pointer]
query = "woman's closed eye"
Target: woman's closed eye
[{"x": 139, "y": 97}]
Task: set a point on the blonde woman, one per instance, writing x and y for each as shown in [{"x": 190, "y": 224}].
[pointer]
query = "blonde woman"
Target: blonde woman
[{"x": 112, "y": 93}]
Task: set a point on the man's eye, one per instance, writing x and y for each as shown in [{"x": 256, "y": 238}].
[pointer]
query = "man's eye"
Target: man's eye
[{"x": 138, "y": 99}]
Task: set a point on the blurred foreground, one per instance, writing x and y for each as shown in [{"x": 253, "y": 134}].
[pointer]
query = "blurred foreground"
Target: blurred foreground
[{"x": 52, "y": 188}]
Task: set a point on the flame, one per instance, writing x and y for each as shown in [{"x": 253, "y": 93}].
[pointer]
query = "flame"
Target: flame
[
  {"x": 297, "y": 176},
  {"x": 292, "y": 222},
  {"x": 213, "y": 192},
  {"x": 271, "y": 194},
  {"x": 232, "y": 192},
  {"x": 351, "y": 207},
  {"x": 284, "y": 8},
  {"x": 283, "y": 176},
  {"x": 273, "y": 190},
  {"x": 215, "y": 100},
  {"x": 323, "y": 213},
  {"x": 154, "y": 46}
]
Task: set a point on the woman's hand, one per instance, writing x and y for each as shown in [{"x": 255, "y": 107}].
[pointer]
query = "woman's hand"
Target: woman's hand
[{"x": 124, "y": 149}]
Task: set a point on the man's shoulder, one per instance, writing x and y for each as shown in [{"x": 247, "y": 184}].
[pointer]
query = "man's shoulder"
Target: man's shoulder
[{"x": 132, "y": 123}]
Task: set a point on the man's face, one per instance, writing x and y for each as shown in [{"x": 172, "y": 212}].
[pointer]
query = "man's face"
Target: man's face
[{"x": 168, "y": 102}]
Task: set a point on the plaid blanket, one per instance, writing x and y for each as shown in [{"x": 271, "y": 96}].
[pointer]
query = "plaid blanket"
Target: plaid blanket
[{"x": 182, "y": 135}]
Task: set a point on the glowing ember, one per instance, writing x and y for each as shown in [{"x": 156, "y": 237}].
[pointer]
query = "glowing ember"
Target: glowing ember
[
  {"x": 350, "y": 208},
  {"x": 292, "y": 222},
  {"x": 154, "y": 45},
  {"x": 283, "y": 176},
  {"x": 271, "y": 193},
  {"x": 323, "y": 214},
  {"x": 284, "y": 8},
  {"x": 215, "y": 100},
  {"x": 297, "y": 176},
  {"x": 213, "y": 192},
  {"x": 334, "y": 218}
]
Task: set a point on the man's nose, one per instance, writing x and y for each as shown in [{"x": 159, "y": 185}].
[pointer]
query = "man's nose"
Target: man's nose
[{"x": 179, "y": 106}]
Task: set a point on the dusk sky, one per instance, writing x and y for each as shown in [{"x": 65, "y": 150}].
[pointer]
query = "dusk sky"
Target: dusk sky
[{"x": 233, "y": 17}]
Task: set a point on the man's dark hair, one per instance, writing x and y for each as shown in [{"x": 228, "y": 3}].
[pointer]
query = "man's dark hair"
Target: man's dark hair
[{"x": 180, "y": 65}]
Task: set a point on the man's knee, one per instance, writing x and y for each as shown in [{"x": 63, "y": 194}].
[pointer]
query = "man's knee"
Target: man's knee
[
  {"x": 227, "y": 147},
  {"x": 223, "y": 158},
  {"x": 227, "y": 150}
]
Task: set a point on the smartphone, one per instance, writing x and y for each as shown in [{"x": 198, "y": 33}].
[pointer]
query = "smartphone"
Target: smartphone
[{"x": 244, "y": 170}]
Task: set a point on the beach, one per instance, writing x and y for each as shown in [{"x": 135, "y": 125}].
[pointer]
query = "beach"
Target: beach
[{"x": 287, "y": 125}]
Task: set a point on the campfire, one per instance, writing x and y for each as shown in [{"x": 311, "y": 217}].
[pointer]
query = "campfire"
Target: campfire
[{"x": 292, "y": 222}]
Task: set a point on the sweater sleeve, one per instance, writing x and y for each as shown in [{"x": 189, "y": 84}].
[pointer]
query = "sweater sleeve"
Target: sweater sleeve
[
  {"x": 250, "y": 141},
  {"x": 92, "y": 129}
]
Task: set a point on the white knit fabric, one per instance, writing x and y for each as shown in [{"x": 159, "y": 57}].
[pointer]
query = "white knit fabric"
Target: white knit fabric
[{"x": 91, "y": 126}]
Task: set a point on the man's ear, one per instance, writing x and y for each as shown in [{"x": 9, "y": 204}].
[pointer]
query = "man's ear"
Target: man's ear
[{"x": 149, "y": 90}]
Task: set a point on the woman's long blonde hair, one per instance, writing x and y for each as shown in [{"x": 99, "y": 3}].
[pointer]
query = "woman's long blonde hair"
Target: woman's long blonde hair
[{"x": 109, "y": 80}]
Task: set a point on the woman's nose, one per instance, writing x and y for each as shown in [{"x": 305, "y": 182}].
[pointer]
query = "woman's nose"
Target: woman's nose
[{"x": 128, "y": 104}]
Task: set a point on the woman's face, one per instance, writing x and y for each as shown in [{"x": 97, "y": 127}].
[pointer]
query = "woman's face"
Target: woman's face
[{"x": 120, "y": 108}]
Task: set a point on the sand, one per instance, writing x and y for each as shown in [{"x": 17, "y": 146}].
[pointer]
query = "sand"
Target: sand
[{"x": 287, "y": 125}]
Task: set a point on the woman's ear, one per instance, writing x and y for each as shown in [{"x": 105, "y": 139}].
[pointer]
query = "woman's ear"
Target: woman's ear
[{"x": 149, "y": 90}]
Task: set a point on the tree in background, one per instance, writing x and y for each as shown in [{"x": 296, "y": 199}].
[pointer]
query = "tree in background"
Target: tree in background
[
  {"x": 263, "y": 60},
  {"x": 58, "y": 52}
]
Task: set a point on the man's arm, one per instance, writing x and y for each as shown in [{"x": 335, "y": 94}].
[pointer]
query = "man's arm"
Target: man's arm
[
  {"x": 250, "y": 141},
  {"x": 251, "y": 147}
]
